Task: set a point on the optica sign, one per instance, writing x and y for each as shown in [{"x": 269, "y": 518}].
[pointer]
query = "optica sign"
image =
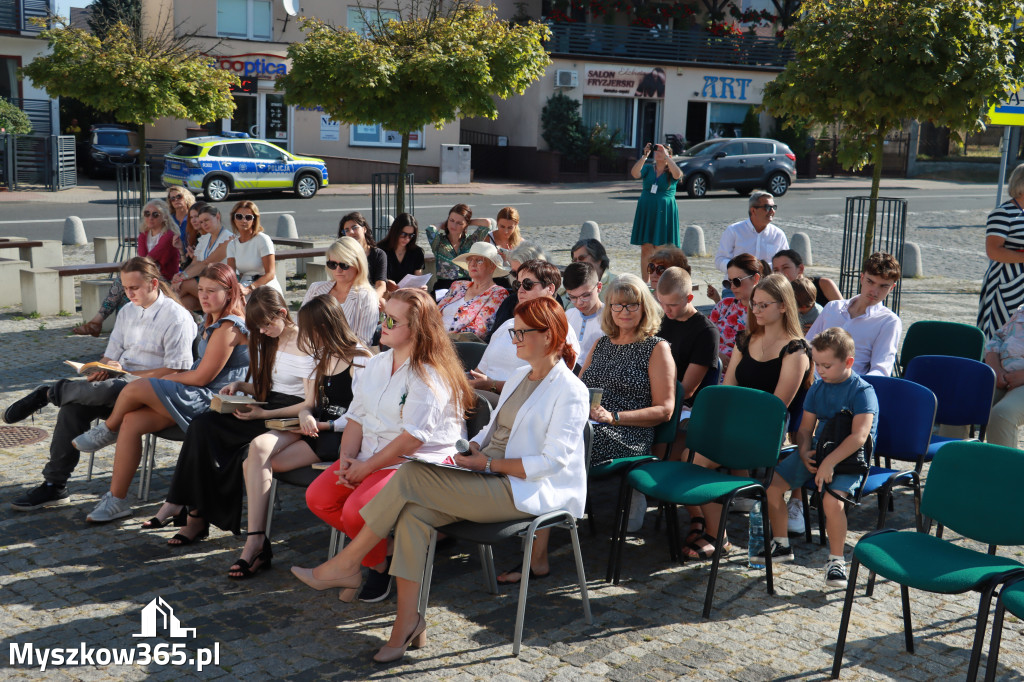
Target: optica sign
[{"x": 267, "y": 66}]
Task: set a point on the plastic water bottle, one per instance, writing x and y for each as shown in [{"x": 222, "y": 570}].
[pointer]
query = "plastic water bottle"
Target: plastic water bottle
[{"x": 755, "y": 541}]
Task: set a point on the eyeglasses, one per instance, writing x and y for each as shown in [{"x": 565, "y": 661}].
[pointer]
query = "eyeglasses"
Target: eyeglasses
[
  {"x": 660, "y": 269},
  {"x": 630, "y": 307},
  {"x": 334, "y": 265},
  {"x": 407, "y": 235},
  {"x": 247, "y": 217},
  {"x": 758, "y": 307},
  {"x": 477, "y": 260},
  {"x": 517, "y": 335},
  {"x": 582, "y": 298},
  {"x": 768, "y": 208},
  {"x": 151, "y": 214},
  {"x": 735, "y": 282},
  {"x": 526, "y": 284},
  {"x": 388, "y": 322}
]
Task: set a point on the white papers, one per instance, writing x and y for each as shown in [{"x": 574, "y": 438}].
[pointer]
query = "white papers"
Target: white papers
[{"x": 414, "y": 281}]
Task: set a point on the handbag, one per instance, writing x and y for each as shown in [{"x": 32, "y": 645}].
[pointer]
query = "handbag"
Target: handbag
[{"x": 835, "y": 431}]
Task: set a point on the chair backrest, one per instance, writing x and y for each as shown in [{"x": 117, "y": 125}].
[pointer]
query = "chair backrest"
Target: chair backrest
[
  {"x": 934, "y": 337},
  {"x": 963, "y": 387},
  {"x": 737, "y": 427},
  {"x": 479, "y": 418},
  {"x": 469, "y": 353},
  {"x": 667, "y": 431},
  {"x": 906, "y": 414},
  {"x": 973, "y": 489},
  {"x": 713, "y": 376}
]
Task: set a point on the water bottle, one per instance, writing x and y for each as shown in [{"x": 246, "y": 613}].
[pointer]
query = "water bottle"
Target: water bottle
[{"x": 755, "y": 541}]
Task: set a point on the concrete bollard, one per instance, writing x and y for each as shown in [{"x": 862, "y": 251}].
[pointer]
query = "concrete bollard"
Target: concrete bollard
[
  {"x": 590, "y": 230},
  {"x": 801, "y": 243},
  {"x": 693, "y": 241},
  {"x": 912, "y": 265},
  {"x": 286, "y": 226},
  {"x": 104, "y": 249},
  {"x": 74, "y": 231}
]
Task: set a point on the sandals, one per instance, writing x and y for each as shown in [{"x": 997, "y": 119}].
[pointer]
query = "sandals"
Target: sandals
[
  {"x": 696, "y": 530},
  {"x": 517, "y": 569},
  {"x": 180, "y": 540},
  {"x": 249, "y": 569},
  {"x": 87, "y": 329},
  {"x": 694, "y": 552},
  {"x": 179, "y": 519}
]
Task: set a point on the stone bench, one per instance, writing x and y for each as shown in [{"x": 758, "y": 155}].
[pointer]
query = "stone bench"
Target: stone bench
[
  {"x": 41, "y": 254},
  {"x": 49, "y": 294},
  {"x": 10, "y": 280}
]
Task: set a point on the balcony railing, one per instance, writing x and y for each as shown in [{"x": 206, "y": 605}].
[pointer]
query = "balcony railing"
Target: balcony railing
[
  {"x": 665, "y": 46},
  {"x": 17, "y": 15}
]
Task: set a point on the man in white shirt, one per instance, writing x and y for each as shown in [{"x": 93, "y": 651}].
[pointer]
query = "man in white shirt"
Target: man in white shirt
[
  {"x": 152, "y": 337},
  {"x": 756, "y": 235},
  {"x": 875, "y": 329},
  {"x": 584, "y": 289}
]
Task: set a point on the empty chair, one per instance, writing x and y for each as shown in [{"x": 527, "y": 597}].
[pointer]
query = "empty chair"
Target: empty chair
[
  {"x": 935, "y": 337},
  {"x": 963, "y": 389}
]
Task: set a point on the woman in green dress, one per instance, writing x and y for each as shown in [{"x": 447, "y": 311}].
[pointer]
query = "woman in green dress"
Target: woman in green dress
[{"x": 657, "y": 218}]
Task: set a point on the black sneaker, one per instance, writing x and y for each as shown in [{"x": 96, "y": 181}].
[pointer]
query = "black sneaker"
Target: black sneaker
[
  {"x": 835, "y": 573},
  {"x": 46, "y": 495},
  {"x": 376, "y": 588},
  {"x": 27, "y": 406},
  {"x": 779, "y": 553}
]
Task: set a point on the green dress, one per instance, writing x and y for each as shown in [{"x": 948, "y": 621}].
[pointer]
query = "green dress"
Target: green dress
[{"x": 657, "y": 217}]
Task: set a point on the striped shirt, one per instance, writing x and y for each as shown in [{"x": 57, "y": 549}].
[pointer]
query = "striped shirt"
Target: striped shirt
[
  {"x": 1002, "y": 289},
  {"x": 361, "y": 308},
  {"x": 149, "y": 338}
]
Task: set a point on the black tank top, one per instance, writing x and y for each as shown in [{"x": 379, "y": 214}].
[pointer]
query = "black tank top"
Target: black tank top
[{"x": 764, "y": 376}]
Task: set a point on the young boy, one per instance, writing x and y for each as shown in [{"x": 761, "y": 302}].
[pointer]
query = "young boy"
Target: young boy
[
  {"x": 839, "y": 389},
  {"x": 809, "y": 309},
  {"x": 583, "y": 289}
]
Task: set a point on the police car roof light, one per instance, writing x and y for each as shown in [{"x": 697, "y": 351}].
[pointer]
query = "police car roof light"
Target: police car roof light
[{"x": 232, "y": 133}]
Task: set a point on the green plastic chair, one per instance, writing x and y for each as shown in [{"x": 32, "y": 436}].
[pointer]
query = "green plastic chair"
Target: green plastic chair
[
  {"x": 1011, "y": 598},
  {"x": 925, "y": 562},
  {"x": 934, "y": 337},
  {"x": 739, "y": 428}
]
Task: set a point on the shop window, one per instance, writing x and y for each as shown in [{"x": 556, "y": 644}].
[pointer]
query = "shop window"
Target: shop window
[
  {"x": 618, "y": 113},
  {"x": 249, "y": 19},
  {"x": 376, "y": 136},
  {"x": 360, "y": 17},
  {"x": 726, "y": 120}
]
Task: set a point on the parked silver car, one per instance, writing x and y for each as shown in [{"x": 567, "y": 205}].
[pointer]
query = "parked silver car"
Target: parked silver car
[{"x": 740, "y": 163}]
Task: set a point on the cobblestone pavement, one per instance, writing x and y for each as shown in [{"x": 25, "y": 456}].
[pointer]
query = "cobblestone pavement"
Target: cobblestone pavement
[{"x": 63, "y": 582}]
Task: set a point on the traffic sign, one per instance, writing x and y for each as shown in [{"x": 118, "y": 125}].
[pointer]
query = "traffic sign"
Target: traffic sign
[{"x": 1008, "y": 112}]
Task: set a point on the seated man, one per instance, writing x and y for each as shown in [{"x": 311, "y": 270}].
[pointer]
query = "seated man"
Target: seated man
[
  {"x": 152, "y": 337},
  {"x": 534, "y": 279},
  {"x": 756, "y": 235},
  {"x": 593, "y": 252},
  {"x": 875, "y": 329},
  {"x": 584, "y": 291}
]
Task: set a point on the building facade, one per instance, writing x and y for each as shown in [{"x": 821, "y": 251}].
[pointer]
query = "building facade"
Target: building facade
[{"x": 19, "y": 45}]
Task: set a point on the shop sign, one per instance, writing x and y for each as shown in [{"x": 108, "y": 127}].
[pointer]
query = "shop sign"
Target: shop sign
[
  {"x": 726, "y": 87},
  {"x": 330, "y": 130},
  {"x": 623, "y": 81},
  {"x": 253, "y": 65}
]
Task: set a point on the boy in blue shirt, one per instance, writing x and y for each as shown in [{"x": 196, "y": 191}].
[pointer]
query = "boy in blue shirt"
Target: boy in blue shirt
[{"x": 839, "y": 389}]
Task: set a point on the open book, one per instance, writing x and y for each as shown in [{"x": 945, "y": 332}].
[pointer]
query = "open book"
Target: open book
[
  {"x": 226, "y": 404},
  {"x": 93, "y": 367},
  {"x": 414, "y": 281},
  {"x": 282, "y": 424},
  {"x": 448, "y": 463}
]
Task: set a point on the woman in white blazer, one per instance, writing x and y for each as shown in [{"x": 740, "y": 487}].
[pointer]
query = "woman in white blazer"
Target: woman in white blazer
[{"x": 540, "y": 417}]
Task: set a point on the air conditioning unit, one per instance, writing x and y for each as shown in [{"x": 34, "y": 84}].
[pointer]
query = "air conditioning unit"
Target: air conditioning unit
[{"x": 565, "y": 78}]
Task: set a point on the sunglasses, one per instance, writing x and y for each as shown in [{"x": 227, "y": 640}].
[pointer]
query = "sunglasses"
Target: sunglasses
[
  {"x": 768, "y": 208},
  {"x": 247, "y": 217},
  {"x": 407, "y": 235},
  {"x": 660, "y": 269},
  {"x": 526, "y": 284},
  {"x": 151, "y": 214},
  {"x": 334, "y": 265},
  {"x": 735, "y": 282},
  {"x": 173, "y": 197},
  {"x": 388, "y": 322},
  {"x": 517, "y": 335},
  {"x": 630, "y": 307}
]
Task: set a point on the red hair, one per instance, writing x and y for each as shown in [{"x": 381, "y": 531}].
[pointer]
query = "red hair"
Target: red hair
[
  {"x": 545, "y": 313},
  {"x": 225, "y": 276}
]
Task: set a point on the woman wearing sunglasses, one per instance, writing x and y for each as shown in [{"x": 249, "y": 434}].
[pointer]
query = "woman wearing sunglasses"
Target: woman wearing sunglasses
[
  {"x": 180, "y": 201},
  {"x": 211, "y": 247},
  {"x": 666, "y": 256},
  {"x": 730, "y": 314},
  {"x": 348, "y": 285},
  {"x": 409, "y": 400},
  {"x": 534, "y": 443},
  {"x": 251, "y": 253},
  {"x": 471, "y": 306},
  {"x": 354, "y": 225},
  {"x": 404, "y": 256}
]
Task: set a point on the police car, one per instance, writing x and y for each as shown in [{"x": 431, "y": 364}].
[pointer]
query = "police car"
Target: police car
[{"x": 234, "y": 162}]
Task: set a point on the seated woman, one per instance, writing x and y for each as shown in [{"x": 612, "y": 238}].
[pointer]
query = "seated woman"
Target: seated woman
[
  {"x": 179, "y": 203},
  {"x": 526, "y": 251},
  {"x": 157, "y": 241},
  {"x": 1005, "y": 354},
  {"x": 211, "y": 247},
  {"x": 404, "y": 255},
  {"x": 152, "y": 405},
  {"x": 505, "y": 235},
  {"x": 454, "y": 238},
  {"x": 791, "y": 264},
  {"x": 348, "y": 285},
  {"x": 410, "y": 400},
  {"x": 534, "y": 441},
  {"x": 354, "y": 225},
  {"x": 251, "y": 253},
  {"x": 730, "y": 314},
  {"x": 471, "y": 306},
  {"x": 208, "y": 476},
  {"x": 770, "y": 355},
  {"x": 663, "y": 258}
]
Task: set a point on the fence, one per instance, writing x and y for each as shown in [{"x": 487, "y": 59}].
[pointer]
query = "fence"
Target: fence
[
  {"x": 890, "y": 234},
  {"x": 132, "y": 187},
  {"x": 33, "y": 161},
  {"x": 383, "y": 202}
]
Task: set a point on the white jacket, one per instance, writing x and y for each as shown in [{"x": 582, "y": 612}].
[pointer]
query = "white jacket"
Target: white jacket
[{"x": 547, "y": 434}]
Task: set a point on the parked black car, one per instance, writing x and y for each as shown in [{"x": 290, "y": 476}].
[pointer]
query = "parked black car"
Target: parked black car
[
  {"x": 740, "y": 163},
  {"x": 107, "y": 147}
]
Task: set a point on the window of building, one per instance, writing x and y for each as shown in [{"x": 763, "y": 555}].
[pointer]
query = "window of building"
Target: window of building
[
  {"x": 9, "y": 77},
  {"x": 359, "y": 17},
  {"x": 376, "y": 136},
  {"x": 726, "y": 119},
  {"x": 249, "y": 19},
  {"x": 618, "y": 113}
]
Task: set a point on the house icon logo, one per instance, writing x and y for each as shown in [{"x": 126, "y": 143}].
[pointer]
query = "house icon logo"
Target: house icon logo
[{"x": 158, "y": 615}]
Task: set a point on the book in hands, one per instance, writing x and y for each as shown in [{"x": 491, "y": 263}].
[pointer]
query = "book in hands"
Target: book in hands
[
  {"x": 283, "y": 424},
  {"x": 226, "y": 404},
  {"x": 414, "y": 281},
  {"x": 448, "y": 463},
  {"x": 87, "y": 368}
]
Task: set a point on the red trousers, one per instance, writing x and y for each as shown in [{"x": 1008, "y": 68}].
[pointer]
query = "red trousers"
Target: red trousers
[{"x": 339, "y": 505}]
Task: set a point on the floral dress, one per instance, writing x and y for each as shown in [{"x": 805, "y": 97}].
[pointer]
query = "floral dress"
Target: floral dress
[
  {"x": 445, "y": 253},
  {"x": 730, "y": 316},
  {"x": 475, "y": 315}
]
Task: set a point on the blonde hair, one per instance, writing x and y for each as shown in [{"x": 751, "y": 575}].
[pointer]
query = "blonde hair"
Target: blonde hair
[
  {"x": 626, "y": 289},
  {"x": 349, "y": 251},
  {"x": 781, "y": 291},
  {"x": 165, "y": 215},
  {"x": 257, "y": 227}
]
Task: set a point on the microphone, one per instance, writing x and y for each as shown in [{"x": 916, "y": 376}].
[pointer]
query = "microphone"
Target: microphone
[{"x": 462, "y": 447}]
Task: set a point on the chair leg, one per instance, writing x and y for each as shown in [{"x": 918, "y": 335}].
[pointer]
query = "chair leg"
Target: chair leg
[
  {"x": 675, "y": 549},
  {"x": 580, "y": 574},
  {"x": 271, "y": 498},
  {"x": 766, "y": 524},
  {"x": 428, "y": 574},
  {"x": 149, "y": 471},
  {"x": 524, "y": 586},
  {"x": 984, "y": 604},
  {"x": 884, "y": 500},
  {"x": 147, "y": 443},
  {"x": 993, "y": 647},
  {"x": 487, "y": 561},
  {"x": 589, "y": 510},
  {"x": 616, "y": 523},
  {"x": 337, "y": 543},
  {"x": 908, "y": 628},
  {"x": 88, "y": 471},
  {"x": 919, "y": 520},
  {"x": 716, "y": 560},
  {"x": 623, "y": 519},
  {"x": 822, "y": 535},
  {"x": 844, "y": 621}
]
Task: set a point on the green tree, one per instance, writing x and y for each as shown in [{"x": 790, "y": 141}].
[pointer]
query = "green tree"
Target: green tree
[
  {"x": 437, "y": 64},
  {"x": 13, "y": 120},
  {"x": 562, "y": 126},
  {"x": 871, "y": 65},
  {"x": 105, "y": 14}
]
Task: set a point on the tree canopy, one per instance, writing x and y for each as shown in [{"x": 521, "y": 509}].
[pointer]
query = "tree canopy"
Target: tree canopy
[{"x": 13, "y": 120}]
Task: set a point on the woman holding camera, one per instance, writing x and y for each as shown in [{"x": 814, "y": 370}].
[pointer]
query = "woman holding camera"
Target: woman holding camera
[{"x": 657, "y": 217}]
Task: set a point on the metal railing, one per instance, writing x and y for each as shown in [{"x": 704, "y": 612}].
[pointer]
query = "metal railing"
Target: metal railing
[
  {"x": 38, "y": 111},
  {"x": 890, "y": 235},
  {"x": 37, "y": 161},
  {"x": 383, "y": 198},
  {"x": 132, "y": 186},
  {"x": 17, "y": 16},
  {"x": 666, "y": 46}
]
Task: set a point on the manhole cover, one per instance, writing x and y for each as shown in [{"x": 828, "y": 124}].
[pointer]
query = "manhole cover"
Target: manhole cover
[{"x": 11, "y": 436}]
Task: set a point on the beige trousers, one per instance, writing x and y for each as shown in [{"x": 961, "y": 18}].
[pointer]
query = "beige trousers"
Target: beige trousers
[
  {"x": 1007, "y": 416},
  {"x": 421, "y": 497}
]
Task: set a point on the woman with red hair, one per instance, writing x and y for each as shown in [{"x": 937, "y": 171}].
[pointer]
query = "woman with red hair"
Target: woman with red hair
[{"x": 540, "y": 418}]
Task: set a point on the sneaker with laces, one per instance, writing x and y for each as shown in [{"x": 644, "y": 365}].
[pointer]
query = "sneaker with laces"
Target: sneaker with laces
[
  {"x": 109, "y": 508},
  {"x": 835, "y": 573},
  {"x": 780, "y": 554},
  {"x": 27, "y": 406},
  {"x": 45, "y": 495},
  {"x": 96, "y": 438},
  {"x": 795, "y": 524},
  {"x": 637, "y": 511}
]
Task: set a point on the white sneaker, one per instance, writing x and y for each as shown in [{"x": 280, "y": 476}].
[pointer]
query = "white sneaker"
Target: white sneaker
[
  {"x": 742, "y": 504},
  {"x": 835, "y": 573},
  {"x": 795, "y": 525},
  {"x": 637, "y": 511},
  {"x": 96, "y": 438},
  {"x": 109, "y": 508}
]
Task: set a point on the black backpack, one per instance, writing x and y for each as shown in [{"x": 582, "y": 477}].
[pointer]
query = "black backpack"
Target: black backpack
[{"x": 835, "y": 431}]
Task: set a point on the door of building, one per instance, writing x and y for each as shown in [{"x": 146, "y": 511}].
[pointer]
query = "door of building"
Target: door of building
[
  {"x": 245, "y": 118},
  {"x": 647, "y": 123},
  {"x": 696, "y": 122}
]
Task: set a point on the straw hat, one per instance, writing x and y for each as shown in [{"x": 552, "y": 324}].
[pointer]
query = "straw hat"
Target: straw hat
[{"x": 484, "y": 250}]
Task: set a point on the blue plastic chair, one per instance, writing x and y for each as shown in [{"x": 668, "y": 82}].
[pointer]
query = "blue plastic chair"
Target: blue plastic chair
[
  {"x": 1011, "y": 598},
  {"x": 963, "y": 388}
]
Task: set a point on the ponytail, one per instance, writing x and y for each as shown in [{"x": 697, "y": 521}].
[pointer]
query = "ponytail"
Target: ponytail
[{"x": 149, "y": 270}]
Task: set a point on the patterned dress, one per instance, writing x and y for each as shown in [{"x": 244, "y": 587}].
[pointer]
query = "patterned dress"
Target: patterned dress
[
  {"x": 657, "y": 216},
  {"x": 730, "y": 316},
  {"x": 445, "y": 253},
  {"x": 622, "y": 371},
  {"x": 1002, "y": 290},
  {"x": 475, "y": 315}
]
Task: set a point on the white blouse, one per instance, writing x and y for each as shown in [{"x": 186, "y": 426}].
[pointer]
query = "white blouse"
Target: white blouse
[
  {"x": 289, "y": 372},
  {"x": 249, "y": 258},
  {"x": 361, "y": 308},
  {"x": 208, "y": 243}
]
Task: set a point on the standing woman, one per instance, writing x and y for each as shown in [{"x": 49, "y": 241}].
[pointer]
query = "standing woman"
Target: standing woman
[
  {"x": 180, "y": 201},
  {"x": 354, "y": 225},
  {"x": 657, "y": 217},
  {"x": 403, "y": 254},
  {"x": 453, "y": 239},
  {"x": 348, "y": 286},
  {"x": 251, "y": 254},
  {"x": 1002, "y": 291},
  {"x": 471, "y": 306},
  {"x": 211, "y": 247},
  {"x": 152, "y": 405},
  {"x": 730, "y": 314}
]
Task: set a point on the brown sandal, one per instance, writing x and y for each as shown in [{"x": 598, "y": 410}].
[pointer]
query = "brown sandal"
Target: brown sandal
[{"x": 87, "y": 329}]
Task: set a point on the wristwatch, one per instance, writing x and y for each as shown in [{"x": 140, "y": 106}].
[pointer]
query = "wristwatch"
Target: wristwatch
[
  {"x": 487, "y": 467},
  {"x": 615, "y": 418}
]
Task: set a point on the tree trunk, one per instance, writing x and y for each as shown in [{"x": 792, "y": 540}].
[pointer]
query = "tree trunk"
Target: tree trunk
[
  {"x": 143, "y": 177},
  {"x": 876, "y": 181},
  {"x": 403, "y": 167}
]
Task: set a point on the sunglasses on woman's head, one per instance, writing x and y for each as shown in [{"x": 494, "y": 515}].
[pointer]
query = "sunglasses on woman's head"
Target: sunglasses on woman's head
[
  {"x": 247, "y": 217},
  {"x": 526, "y": 284},
  {"x": 334, "y": 265},
  {"x": 388, "y": 322},
  {"x": 660, "y": 269},
  {"x": 735, "y": 282}
]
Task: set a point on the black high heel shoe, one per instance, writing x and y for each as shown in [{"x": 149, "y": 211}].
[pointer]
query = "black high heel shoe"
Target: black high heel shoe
[
  {"x": 264, "y": 556},
  {"x": 178, "y": 520},
  {"x": 180, "y": 540}
]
